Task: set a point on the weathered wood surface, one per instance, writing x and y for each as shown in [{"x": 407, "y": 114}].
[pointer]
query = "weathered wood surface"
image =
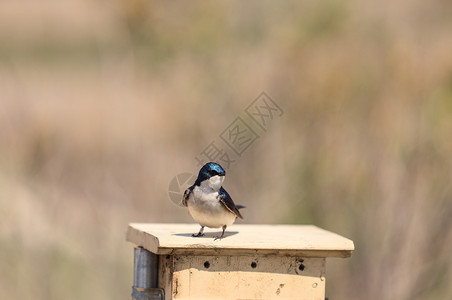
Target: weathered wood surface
[
  {"x": 247, "y": 277},
  {"x": 284, "y": 240}
]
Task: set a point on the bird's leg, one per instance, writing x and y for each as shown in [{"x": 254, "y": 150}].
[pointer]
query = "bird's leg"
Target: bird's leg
[
  {"x": 222, "y": 235},
  {"x": 199, "y": 233}
]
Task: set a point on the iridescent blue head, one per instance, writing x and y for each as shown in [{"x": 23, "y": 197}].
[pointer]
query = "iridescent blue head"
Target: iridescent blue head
[{"x": 209, "y": 170}]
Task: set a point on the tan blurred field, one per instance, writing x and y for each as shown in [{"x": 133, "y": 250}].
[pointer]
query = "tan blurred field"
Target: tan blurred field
[{"x": 103, "y": 103}]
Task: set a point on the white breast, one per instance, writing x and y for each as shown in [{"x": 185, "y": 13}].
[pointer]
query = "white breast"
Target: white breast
[{"x": 205, "y": 208}]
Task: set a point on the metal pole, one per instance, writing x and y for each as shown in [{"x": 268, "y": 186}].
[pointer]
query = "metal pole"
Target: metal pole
[{"x": 145, "y": 275}]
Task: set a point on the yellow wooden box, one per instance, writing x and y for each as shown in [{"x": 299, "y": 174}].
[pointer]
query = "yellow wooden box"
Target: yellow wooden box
[{"x": 251, "y": 262}]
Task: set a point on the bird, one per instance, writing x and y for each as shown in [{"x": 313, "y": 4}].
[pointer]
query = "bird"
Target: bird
[{"x": 208, "y": 202}]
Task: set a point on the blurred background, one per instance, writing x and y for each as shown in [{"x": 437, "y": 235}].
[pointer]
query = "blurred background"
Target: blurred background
[{"x": 102, "y": 103}]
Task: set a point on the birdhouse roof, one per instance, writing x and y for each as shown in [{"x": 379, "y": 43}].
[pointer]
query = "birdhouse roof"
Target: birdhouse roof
[{"x": 284, "y": 240}]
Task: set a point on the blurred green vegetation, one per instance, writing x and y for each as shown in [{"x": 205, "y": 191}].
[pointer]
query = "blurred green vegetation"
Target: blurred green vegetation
[{"x": 103, "y": 103}]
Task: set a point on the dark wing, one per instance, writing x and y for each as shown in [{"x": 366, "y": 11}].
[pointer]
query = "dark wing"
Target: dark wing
[
  {"x": 226, "y": 200},
  {"x": 187, "y": 195}
]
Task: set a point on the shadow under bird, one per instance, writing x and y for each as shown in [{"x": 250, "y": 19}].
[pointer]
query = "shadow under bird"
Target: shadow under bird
[{"x": 208, "y": 202}]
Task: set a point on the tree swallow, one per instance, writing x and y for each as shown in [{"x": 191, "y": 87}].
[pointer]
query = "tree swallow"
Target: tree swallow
[{"x": 208, "y": 202}]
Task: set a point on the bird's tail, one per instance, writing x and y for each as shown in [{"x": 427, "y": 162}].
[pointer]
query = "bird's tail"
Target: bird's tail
[{"x": 240, "y": 206}]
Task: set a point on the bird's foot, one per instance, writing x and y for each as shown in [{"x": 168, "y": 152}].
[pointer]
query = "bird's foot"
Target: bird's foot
[
  {"x": 222, "y": 234},
  {"x": 218, "y": 237},
  {"x": 200, "y": 233}
]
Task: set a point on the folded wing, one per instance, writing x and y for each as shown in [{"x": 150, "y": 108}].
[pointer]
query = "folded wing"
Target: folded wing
[
  {"x": 187, "y": 195},
  {"x": 227, "y": 202}
]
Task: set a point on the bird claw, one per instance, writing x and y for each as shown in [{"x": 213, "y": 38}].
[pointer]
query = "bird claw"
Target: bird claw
[
  {"x": 222, "y": 234},
  {"x": 197, "y": 235}
]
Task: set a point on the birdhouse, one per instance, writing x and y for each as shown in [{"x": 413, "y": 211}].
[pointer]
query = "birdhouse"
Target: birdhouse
[{"x": 250, "y": 262}]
